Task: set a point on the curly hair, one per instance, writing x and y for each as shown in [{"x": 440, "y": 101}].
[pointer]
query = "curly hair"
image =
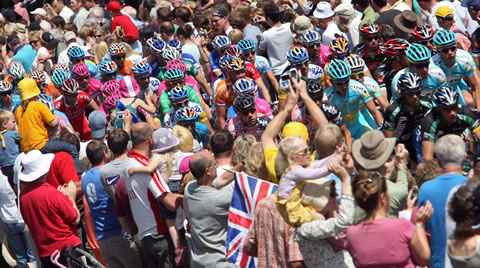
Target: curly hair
[
  {"x": 464, "y": 208},
  {"x": 428, "y": 170},
  {"x": 256, "y": 165}
]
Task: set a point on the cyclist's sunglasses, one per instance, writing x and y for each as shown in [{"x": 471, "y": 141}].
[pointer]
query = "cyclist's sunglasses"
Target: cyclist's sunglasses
[
  {"x": 421, "y": 65},
  {"x": 372, "y": 37},
  {"x": 246, "y": 54},
  {"x": 449, "y": 108},
  {"x": 247, "y": 112},
  {"x": 341, "y": 82},
  {"x": 447, "y": 49}
]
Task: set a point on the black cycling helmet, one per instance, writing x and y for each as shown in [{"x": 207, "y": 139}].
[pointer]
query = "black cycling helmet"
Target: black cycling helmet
[{"x": 244, "y": 102}]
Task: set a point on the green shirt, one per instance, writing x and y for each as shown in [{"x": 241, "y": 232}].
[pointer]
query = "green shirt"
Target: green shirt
[{"x": 165, "y": 102}]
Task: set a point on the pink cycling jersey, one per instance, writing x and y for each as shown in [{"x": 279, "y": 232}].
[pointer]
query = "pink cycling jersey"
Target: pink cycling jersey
[
  {"x": 262, "y": 107},
  {"x": 189, "y": 81},
  {"x": 94, "y": 89}
]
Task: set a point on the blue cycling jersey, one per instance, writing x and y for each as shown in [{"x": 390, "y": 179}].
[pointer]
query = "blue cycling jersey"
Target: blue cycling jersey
[{"x": 436, "y": 78}]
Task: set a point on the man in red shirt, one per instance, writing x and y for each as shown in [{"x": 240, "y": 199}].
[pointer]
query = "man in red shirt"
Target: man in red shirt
[
  {"x": 120, "y": 19},
  {"x": 50, "y": 214}
]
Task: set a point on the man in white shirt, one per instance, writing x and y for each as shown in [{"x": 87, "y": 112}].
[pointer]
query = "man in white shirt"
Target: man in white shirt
[
  {"x": 325, "y": 14},
  {"x": 220, "y": 22},
  {"x": 63, "y": 11},
  {"x": 81, "y": 13}
]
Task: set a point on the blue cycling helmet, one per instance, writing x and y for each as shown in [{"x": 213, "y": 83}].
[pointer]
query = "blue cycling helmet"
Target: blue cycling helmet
[
  {"x": 47, "y": 100},
  {"x": 157, "y": 47},
  {"x": 141, "y": 68},
  {"x": 221, "y": 42},
  {"x": 418, "y": 54},
  {"x": 186, "y": 114},
  {"x": 58, "y": 76},
  {"x": 245, "y": 86},
  {"x": 92, "y": 70},
  {"x": 409, "y": 83},
  {"x": 297, "y": 55},
  {"x": 445, "y": 96},
  {"x": 223, "y": 62},
  {"x": 177, "y": 93},
  {"x": 338, "y": 70},
  {"x": 175, "y": 44},
  {"x": 76, "y": 52},
  {"x": 246, "y": 45},
  {"x": 173, "y": 75},
  {"x": 310, "y": 37},
  {"x": 107, "y": 67},
  {"x": 444, "y": 38}
]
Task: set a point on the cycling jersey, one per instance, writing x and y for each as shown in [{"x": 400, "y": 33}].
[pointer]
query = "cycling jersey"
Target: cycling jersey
[
  {"x": 127, "y": 68},
  {"x": 224, "y": 95},
  {"x": 76, "y": 113},
  {"x": 214, "y": 66},
  {"x": 350, "y": 107},
  {"x": 191, "y": 60},
  {"x": 436, "y": 78},
  {"x": 333, "y": 115},
  {"x": 262, "y": 65},
  {"x": 201, "y": 133},
  {"x": 152, "y": 61},
  {"x": 189, "y": 81},
  {"x": 94, "y": 89},
  {"x": 237, "y": 127},
  {"x": 372, "y": 61},
  {"x": 169, "y": 118},
  {"x": 165, "y": 104},
  {"x": 63, "y": 121},
  {"x": 52, "y": 91},
  {"x": 434, "y": 127},
  {"x": 315, "y": 72},
  {"x": 404, "y": 123},
  {"x": 260, "y": 104}
]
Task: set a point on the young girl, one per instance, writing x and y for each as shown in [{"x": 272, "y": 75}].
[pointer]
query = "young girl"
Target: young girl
[
  {"x": 166, "y": 158},
  {"x": 295, "y": 152}
]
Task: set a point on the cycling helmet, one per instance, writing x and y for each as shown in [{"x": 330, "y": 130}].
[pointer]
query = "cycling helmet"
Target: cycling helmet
[
  {"x": 418, "y": 54},
  {"x": 76, "y": 52},
  {"x": 157, "y": 47},
  {"x": 297, "y": 55},
  {"x": 338, "y": 70},
  {"x": 356, "y": 63},
  {"x": 246, "y": 45},
  {"x": 445, "y": 96},
  {"x": 394, "y": 47},
  {"x": 5, "y": 86},
  {"x": 177, "y": 64},
  {"x": 423, "y": 32},
  {"x": 70, "y": 86},
  {"x": 314, "y": 87},
  {"x": 221, "y": 42},
  {"x": 16, "y": 70},
  {"x": 60, "y": 66},
  {"x": 47, "y": 100},
  {"x": 339, "y": 46},
  {"x": 245, "y": 86},
  {"x": 107, "y": 67},
  {"x": 174, "y": 75},
  {"x": 310, "y": 37},
  {"x": 409, "y": 83},
  {"x": 233, "y": 51},
  {"x": 175, "y": 44},
  {"x": 80, "y": 69},
  {"x": 177, "y": 93},
  {"x": 444, "y": 38},
  {"x": 92, "y": 69},
  {"x": 116, "y": 49},
  {"x": 186, "y": 114},
  {"x": 58, "y": 76},
  {"x": 141, "y": 68},
  {"x": 369, "y": 28},
  {"x": 244, "y": 102},
  {"x": 111, "y": 88},
  {"x": 151, "y": 40},
  {"x": 111, "y": 101},
  {"x": 39, "y": 77},
  {"x": 171, "y": 54},
  {"x": 222, "y": 62},
  {"x": 234, "y": 64}
]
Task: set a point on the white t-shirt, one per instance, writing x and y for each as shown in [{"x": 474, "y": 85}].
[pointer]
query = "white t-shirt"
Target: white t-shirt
[
  {"x": 353, "y": 29},
  {"x": 9, "y": 212},
  {"x": 41, "y": 51},
  {"x": 329, "y": 34},
  {"x": 67, "y": 14},
  {"x": 276, "y": 41}
]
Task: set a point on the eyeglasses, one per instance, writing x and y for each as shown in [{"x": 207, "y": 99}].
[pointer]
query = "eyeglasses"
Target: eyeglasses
[
  {"x": 143, "y": 77},
  {"x": 34, "y": 42},
  {"x": 181, "y": 103},
  {"x": 422, "y": 42},
  {"x": 447, "y": 49},
  {"x": 3, "y": 94},
  {"x": 69, "y": 95},
  {"x": 305, "y": 63},
  {"x": 248, "y": 112},
  {"x": 98, "y": 36},
  {"x": 372, "y": 37},
  {"x": 82, "y": 77},
  {"x": 358, "y": 75},
  {"x": 415, "y": 93},
  {"x": 79, "y": 60},
  {"x": 421, "y": 65},
  {"x": 305, "y": 151}
]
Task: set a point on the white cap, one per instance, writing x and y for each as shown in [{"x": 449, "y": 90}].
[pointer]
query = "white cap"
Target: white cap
[
  {"x": 323, "y": 11},
  {"x": 69, "y": 36},
  {"x": 39, "y": 11}
]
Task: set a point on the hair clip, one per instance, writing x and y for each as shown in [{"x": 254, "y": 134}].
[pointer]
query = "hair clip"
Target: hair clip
[{"x": 364, "y": 180}]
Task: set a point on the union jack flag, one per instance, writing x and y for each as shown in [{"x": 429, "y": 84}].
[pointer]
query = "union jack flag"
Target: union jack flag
[{"x": 247, "y": 193}]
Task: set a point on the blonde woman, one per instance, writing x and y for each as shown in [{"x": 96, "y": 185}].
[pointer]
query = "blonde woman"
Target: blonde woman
[
  {"x": 255, "y": 162},
  {"x": 185, "y": 138},
  {"x": 242, "y": 145}
]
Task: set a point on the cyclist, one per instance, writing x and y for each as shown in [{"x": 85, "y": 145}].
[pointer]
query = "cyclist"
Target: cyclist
[
  {"x": 247, "y": 120},
  {"x": 189, "y": 80},
  {"x": 187, "y": 117},
  {"x": 8, "y": 100},
  {"x": 448, "y": 117},
  {"x": 58, "y": 76},
  {"x": 247, "y": 48},
  {"x": 248, "y": 86},
  {"x": 418, "y": 57},
  {"x": 404, "y": 115},
  {"x": 141, "y": 72},
  {"x": 63, "y": 121},
  {"x": 40, "y": 78},
  {"x": 17, "y": 73},
  {"x": 357, "y": 66},
  {"x": 348, "y": 95},
  {"x": 339, "y": 48},
  {"x": 76, "y": 55},
  {"x": 395, "y": 60},
  {"x": 117, "y": 52},
  {"x": 318, "y": 53},
  {"x": 300, "y": 112},
  {"x": 155, "y": 59},
  {"x": 369, "y": 49},
  {"x": 220, "y": 45},
  {"x": 459, "y": 67},
  {"x": 175, "y": 77},
  {"x": 108, "y": 71},
  {"x": 423, "y": 35},
  {"x": 110, "y": 94},
  {"x": 73, "y": 103},
  {"x": 90, "y": 85},
  {"x": 300, "y": 67}
]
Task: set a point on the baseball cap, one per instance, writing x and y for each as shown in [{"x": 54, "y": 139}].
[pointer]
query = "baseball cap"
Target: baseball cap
[
  {"x": 39, "y": 11},
  {"x": 323, "y": 11},
  {"x": 97, "y": 121},
  {"x": 295, "y": 129},
  {"x": 163, "y": 140},
  {"x": 48, "y": 38},
  {"x": 221, "y": 12},
  {"x": 444, "y": 11},
  {"x": 113, "y": 6},
  {"x": 472, "y": 4},
  {"x": 69, "y": 36},
  {"x": 34, "y": 26}
]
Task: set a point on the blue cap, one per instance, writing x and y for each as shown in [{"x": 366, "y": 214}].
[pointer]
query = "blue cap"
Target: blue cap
[{"x": 474, "y": 4}]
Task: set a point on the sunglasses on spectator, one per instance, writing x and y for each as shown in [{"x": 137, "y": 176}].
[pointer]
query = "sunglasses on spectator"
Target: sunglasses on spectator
[
  {"x": 449, "y": 108},
  {"x": 447, "y": 49},
  {"x": 447, "y": 18},
  {"x": 98, "y": 36},
  {"x": 372, "y": 37},
  {"x": 34, "y": 42},
  {"x": 305, "y": 151}
]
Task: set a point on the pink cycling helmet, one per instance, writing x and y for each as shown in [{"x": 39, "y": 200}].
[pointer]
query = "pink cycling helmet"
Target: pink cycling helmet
[
  {"x": 111, "y": 101},
  {"x": 177, "y": 64},
  {"x": 111, "y": 88},
  {"x": 80, "y": 69},
  {"x": 129, "y": 88}
]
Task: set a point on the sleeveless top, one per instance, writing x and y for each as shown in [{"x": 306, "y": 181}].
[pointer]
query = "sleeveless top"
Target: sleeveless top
[{"x": 471, "y": 261}]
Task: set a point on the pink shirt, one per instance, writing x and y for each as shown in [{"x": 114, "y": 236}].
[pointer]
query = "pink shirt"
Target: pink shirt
[{"x": 381, "y": 243}]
